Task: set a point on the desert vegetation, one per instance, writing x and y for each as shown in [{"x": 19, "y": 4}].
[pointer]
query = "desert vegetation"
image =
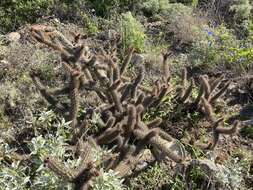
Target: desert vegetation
[{"x": 147, "y": 94}]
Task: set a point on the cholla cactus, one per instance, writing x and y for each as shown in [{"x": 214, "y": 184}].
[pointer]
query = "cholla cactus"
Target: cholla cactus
[{"x": 123, "y": 101}]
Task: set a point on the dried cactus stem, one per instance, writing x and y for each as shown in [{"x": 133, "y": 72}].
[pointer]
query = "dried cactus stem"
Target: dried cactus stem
[
  {"x": 59, "y": 169},
  {"x": 108, "y": 136},
  {"x": 160, "y": 144},
  {"x": 166, "y": 68},
  {"x": 220, "y": 93},
  {"x": 206, "y": 86},
  {"x": 46, "y": 94},
  {"x": 208, "y": 109},
  {"x": 144, "y": 142},
  {"x": 75, "y": 100},
  {"x": 126, "y": 61},
  {"x": 83, "y": 180},
  {"x": 137, "y": 82},
  {"x": 187, "y": 92},
  {"x": 217, "y": 130}
]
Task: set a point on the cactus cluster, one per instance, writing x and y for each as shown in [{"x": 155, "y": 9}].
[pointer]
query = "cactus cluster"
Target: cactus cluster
[
  {"x": 123, "y": 101},
  {"x": 208, "y": 94}
]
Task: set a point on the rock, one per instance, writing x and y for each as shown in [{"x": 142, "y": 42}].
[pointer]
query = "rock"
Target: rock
[
  {"x": 246, "y": 112},
  {"x": 149, "y": 59},
  {"x": 108, "y": 35},
  {"x": 154, "y": 59},
  {"x": 4, "y": 64},
  {"x": 247, "y": 122},
  {"x": 13, "y": 36},
  {"x": 208, "y": 166},
  {"x": 56, "y": 21},
  {"x": 2, "y": 37},
  {"x": 137, "y": 59},
  {"x": 177, "y": 148}
]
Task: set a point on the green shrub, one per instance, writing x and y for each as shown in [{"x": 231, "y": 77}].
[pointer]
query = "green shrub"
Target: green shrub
[
  {"x": 182, "y": 27},
  {"x": 132, "y": 32},
  {"x": 107, "y": 181},
  {"x": 231, "y": 176},
  {"x": 221, "y": 47},
  {"x": 19, "y": 175},
  {"x": 188, "y": 2},
  {"x": 178, "y": 9},
  {"x": 13, "y": 14},
  {"x": 90, "y": 26},
  {"x": 4, "y": 121},
  {"x": 242, "y": 19},
  {"x": 153, "y": 178},
  {"x": 152, "y": 7},
  {"x": 211, "y": 49},
  {"x": 247, "y": 131},
  {"x": 197, "y": 176},
  {"x": 242, "y": 9},
  {"x": 105, "y": 7},
  {"x": 243, "y": 56},
  {"x": 16, "y": 13},
  {"x": 69, "y": 10},
  {"x": 177, "y": 183}
]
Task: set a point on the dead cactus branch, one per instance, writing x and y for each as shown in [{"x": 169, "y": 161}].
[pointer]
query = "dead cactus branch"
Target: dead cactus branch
[
  {"x": 216, "y": 124},
  {"x": 209, "y": 90}
]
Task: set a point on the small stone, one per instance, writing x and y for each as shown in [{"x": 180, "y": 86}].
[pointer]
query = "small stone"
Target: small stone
[
  {"x": 137, "y": 59},
  {"x": 14, "y": 36},
  {"x": 55, "y": 20},
  {"x": 208, "y": 166},
  {"x": 4, "y": 64},
  {"x": 247, "y": 112}
]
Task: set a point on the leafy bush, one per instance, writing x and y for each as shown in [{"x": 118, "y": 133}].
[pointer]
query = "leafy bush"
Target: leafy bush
[
  {"x": 132, "y": 32},
  {"x": 153, "y": 178},
  {"x": 221, "y": 47},
  {"x": 231, "y": 176},
  {"x": 182, "y": 27},
  {"x": 178, "y": 8},
  {"x": 209, "y": 50},
  {"x": 105, "y": 7},
  {"x": 242, "y": 9},
  {"x": 247, "y": 131},
  {"x": 243, "y": 56},
  {"x": 230, "y": 11},
  {"x": 197, "y": 176},
  {"x": 68, "y": 10},
  {"x": 16, "y": 13},
  {"x": 89, "y": 24},
  {"x": 152, "y": 7},
  {"x": 107, "y": 181},
  {"x": 19, "y": 175},
  {"x": 188, "y": 2},
  {"x": 13, "y": 176}
]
